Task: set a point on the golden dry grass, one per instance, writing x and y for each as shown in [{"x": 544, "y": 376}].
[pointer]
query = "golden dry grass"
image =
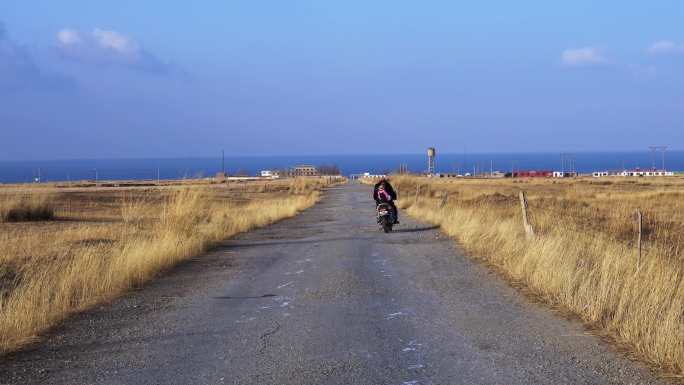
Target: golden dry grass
[
  {"x": 105, "y": 242},
  {"x": 583, "y": 257},
  {"x": 26, "y": 207}
]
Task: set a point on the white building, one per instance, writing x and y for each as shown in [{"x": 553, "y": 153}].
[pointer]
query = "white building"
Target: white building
[
  {"x": 373, "y": 176},
  {"x": 269, "y": 174},
  {"x": 565, "y": 174},
  {"x": 637, "y": 172}
]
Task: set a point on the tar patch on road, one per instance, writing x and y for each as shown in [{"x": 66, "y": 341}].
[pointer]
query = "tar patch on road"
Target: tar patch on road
[{"x": 246, "y": 297}]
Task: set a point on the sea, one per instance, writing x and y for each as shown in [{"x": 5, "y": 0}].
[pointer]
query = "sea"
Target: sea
[{"x": 169, "y": 168}]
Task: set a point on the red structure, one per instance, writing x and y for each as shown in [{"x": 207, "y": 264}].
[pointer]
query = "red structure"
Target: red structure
[{"x": 533, "y": 174}]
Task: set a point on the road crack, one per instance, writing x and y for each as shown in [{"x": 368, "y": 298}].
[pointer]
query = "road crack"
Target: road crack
[{"x": 263, "y": 339}]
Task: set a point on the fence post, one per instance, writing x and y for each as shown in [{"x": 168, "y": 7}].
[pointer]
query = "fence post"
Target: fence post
[
  {"x": 444, "y": 199},
  {"x": 526, "y": 224},
  {"x": 640, "y": 227},
  {"x": 417, "y": 192}
]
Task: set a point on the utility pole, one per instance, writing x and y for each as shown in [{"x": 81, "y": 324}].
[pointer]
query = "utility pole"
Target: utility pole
[
  {"x": 572, "y": 164},
  {"x": 465, "y": 160},
  {"x": 653, "y": 151},
  {"x": 223, "y": 162},
  {"x": 568, "y": 163},
  {"x": 515, "y": 164},
  {"x": 564, "y": 161}
]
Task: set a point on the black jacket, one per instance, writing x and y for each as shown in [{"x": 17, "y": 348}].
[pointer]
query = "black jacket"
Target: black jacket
[{"x": 388, "y": 188}]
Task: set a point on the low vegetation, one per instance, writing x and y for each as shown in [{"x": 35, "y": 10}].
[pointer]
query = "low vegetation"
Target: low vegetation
[
  {"x": 26, "y": 207},
  {"x": 584, "y": 256},
  {"x": 104, "y": 242}
]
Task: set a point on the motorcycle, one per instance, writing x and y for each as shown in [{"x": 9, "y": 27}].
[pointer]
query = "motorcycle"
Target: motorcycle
[{"x": 385, "y": 216}]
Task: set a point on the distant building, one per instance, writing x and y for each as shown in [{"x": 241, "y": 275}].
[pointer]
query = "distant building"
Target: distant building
[
  {"x": 304, "y": 170},
  {"x": 269, "y": 174},
  {"x": 366, "y": 175},
  {"x": 636, "y": 172},
  {"x": 564, "y": 174},
  {"x": 532, "y": 174},
  {"x": 445, "y": 175}
]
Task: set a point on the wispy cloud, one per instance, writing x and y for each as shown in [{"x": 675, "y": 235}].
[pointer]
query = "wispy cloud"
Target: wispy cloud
[
  {"x": 666, "y": 47},
  {"x": 583, "y": 57},
  {"x": 107, "y": 47},
  {"x": 20, "y": 71},
  {"x": 68, "y": 36}
]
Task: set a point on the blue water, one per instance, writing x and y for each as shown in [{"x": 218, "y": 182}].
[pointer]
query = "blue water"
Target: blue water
[{"x": 140, "y": 169}]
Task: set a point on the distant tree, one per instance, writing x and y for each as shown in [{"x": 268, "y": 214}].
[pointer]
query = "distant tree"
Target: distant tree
[
  {"x": 242, "y": 172},
  {"x": 331, "y": 169}
]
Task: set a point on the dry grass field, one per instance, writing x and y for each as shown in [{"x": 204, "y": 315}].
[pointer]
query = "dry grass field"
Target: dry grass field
[
  {"x": 64, "y": 250},
  {"x": 583, "y": 257}
]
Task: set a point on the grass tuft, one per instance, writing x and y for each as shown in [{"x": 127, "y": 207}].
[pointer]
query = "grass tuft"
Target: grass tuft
[{"x": 24, "y": 208}]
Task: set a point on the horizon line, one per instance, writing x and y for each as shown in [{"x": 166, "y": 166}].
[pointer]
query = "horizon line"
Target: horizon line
[{"x": 218, "y": 155}]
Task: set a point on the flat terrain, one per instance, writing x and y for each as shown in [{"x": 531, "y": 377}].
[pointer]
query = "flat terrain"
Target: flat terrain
[{"x": 325, "y": 298}]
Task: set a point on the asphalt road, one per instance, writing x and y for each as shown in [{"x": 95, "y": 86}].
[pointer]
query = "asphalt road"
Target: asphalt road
[{"x": 325, "y": 298}]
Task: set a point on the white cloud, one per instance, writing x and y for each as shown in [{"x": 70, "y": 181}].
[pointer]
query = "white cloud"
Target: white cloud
[
  {"x": 585, "y": 56},
  {"x": 665, "y": 47},
  {"x": 107, "y": 47},
  {"x": 115, "y": 41},
  {"x": 68, "y": 36}
]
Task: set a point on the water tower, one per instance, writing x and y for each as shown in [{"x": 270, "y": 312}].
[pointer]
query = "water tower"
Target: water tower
[{"x": 431, "y": 153}]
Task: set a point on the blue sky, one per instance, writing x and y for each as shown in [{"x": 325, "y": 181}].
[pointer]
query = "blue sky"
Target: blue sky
[{"x": 92, "y": 79}]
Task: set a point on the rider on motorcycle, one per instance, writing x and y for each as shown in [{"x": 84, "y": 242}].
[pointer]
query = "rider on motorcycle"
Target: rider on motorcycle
[{"x": 386, "y": 187}]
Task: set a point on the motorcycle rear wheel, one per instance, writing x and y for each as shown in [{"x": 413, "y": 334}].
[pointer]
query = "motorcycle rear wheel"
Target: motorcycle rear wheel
[{"x": 386, "y": 225}]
